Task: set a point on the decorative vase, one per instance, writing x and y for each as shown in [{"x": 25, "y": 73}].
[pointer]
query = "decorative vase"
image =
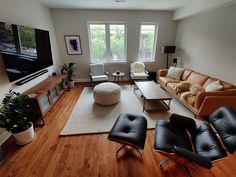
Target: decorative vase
[
  {"x": 26, "y": 136},
  {"x": 71, "y": 84}
]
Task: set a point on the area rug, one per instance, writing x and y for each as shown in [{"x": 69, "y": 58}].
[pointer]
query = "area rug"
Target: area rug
[{"x": 88, "y": 117}]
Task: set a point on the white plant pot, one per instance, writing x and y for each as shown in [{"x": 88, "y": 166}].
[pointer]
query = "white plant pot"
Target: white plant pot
[
  {"x": 71, "y": 84},
  {"x": 26, "y": 136}
]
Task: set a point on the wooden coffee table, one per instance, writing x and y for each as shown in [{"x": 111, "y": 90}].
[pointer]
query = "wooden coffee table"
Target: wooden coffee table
[{"x": 151, "y": 91}]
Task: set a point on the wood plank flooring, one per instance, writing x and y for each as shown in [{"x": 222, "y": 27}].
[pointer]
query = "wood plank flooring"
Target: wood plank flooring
[{"x": 91, "y": 155}]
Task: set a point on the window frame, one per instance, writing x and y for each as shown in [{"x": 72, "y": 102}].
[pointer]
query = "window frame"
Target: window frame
[
  {"x": 107, "y": 23},
  {"x": 155, "y": 40}
]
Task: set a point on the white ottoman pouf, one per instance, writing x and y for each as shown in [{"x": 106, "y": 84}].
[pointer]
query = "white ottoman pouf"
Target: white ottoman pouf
[{"x": 106, "y": 93}]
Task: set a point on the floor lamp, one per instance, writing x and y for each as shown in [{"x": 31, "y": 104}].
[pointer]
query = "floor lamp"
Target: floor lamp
[{"x": 168, "y": 50}]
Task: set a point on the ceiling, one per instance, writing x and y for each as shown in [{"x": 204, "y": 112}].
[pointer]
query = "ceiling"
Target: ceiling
[
  {"x": 181, "y": 8},
  {"x": 111, "y": 4}
]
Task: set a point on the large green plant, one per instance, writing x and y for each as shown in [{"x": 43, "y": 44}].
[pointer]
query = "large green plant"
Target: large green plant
[
  {"x": 14, "y": 113},
  {"x": 69, "y": 70}
]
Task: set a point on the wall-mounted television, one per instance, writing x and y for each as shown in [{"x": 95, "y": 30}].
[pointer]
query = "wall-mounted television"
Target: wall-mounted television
[{"x": 24, "y": 50}]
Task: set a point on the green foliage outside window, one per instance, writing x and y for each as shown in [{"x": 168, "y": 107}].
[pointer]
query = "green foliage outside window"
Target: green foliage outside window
[
  {"x": 117, "y": 39},
  {"x": 98, "y": 40},
  {"x": 112, "y": 48}
]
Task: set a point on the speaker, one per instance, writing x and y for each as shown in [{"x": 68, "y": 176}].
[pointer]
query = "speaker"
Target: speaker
[
  {"x": 175, "y": 60},
  {"x": 152, "y": 75},
  {"x": 31, "y": 77},
  {"x": 168, "y": 49}
]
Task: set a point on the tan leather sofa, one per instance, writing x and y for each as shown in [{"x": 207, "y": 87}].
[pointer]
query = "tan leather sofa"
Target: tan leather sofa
[{"x": 204, "y": 103}]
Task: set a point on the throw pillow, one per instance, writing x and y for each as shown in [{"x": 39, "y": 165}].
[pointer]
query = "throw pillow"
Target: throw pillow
[
  {"x": 175, "y": 73},
  {"x": 214, "y": 86}
]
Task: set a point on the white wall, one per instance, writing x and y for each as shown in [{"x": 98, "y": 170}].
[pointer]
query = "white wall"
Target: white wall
[
  {"x": 194, "y": 7},
  {"x": 74, "y": 22},
  {"x": 207, "y": 43},
  {"x": 32, "y": 14}
]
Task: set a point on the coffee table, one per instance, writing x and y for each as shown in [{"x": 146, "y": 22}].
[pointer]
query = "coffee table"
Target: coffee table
[{"x": 151, "y": 91}]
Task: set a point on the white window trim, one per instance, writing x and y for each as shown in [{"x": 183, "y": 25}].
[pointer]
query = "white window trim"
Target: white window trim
[
  {"x": 108, "y": 23},
  {"x": 155, "y": 40}
]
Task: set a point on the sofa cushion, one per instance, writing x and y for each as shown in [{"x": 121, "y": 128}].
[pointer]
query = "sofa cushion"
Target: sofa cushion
[
  {"x": 197, "y": 78},
  {"x": 185, "y": 74},
  {"x": 214, "y": 86},
  {"x": 175, "y": 73},
  {"x": 139, "y": 76},
  {"x": 226, "y": 85},
  {"x": 165, "y": 80},
  {"x": 100, "y": 78},
  {"x": 190, "y": 99},
  {"x": 171, "y": 87},
  {"x": 209, "y": 80}
]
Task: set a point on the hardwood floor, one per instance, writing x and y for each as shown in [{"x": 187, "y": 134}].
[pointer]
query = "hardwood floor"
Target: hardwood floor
[{"x": 50, "y": 155}]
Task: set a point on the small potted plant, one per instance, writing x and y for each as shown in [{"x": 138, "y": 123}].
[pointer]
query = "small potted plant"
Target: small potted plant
[
  {"x": 15, "y": 117},
  {"x": 69, "y": 70}
]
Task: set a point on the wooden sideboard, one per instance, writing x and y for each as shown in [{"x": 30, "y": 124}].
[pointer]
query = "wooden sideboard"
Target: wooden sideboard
[{"x": 44, "y": 95}]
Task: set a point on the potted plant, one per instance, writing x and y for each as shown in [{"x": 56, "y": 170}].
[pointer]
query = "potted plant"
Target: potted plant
[
  {"x": 15, "y": 117},
  {"x": 69, "y": 70}
]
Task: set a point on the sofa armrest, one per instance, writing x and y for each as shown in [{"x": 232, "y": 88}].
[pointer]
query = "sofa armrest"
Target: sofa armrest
[
  {"x": 201, "y": 95},
  {"x": 211, "y": 103},
  {"x": 162, "y": 72},
  {"x": 193, "y": 157}
]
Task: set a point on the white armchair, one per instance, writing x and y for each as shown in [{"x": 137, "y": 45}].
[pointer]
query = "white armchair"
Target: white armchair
[
  {"x": 137, "y": 71},
  {"x": 98, "y": 73}
]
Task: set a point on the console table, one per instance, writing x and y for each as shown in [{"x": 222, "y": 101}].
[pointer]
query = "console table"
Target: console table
[{"x": 44, "y": 95}]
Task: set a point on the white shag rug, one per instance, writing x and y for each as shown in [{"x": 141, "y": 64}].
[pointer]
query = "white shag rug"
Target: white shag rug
[{"x": 88, "y": 117}]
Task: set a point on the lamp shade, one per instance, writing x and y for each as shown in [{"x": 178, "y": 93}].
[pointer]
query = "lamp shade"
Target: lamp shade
[{"x": 168, "y": 49}]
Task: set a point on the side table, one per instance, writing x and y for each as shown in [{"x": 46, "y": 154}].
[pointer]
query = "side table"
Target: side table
[{"x": 118, "y": 76}]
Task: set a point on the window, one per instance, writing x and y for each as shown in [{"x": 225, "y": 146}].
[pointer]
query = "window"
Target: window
[
  {"x": 147, "y": 42},
  {"x": 107, "y": 42}
]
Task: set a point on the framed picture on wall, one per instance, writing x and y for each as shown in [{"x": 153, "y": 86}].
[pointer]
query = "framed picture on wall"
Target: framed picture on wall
[{"x": 73, "y": 45}]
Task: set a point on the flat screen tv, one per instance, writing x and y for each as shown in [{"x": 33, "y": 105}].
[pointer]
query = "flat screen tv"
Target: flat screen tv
[{"x": 24, "y": 50}]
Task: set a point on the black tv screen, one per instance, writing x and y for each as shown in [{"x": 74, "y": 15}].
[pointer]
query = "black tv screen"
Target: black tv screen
[{"x": 24, "y": 50}]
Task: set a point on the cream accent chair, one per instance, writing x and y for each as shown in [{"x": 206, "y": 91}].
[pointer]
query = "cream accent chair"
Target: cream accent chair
[
  {"x": 137, "y": 71},
  {"x": 98, "y": 73}
]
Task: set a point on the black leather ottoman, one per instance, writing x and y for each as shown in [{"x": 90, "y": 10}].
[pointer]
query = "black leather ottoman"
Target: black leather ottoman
[{"x": 129, "y": 129}]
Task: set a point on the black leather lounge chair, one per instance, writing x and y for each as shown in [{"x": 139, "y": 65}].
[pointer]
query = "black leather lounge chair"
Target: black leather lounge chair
[
  {"x": 224, "y": 121},
  {"x": 181, "y": 140}
]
